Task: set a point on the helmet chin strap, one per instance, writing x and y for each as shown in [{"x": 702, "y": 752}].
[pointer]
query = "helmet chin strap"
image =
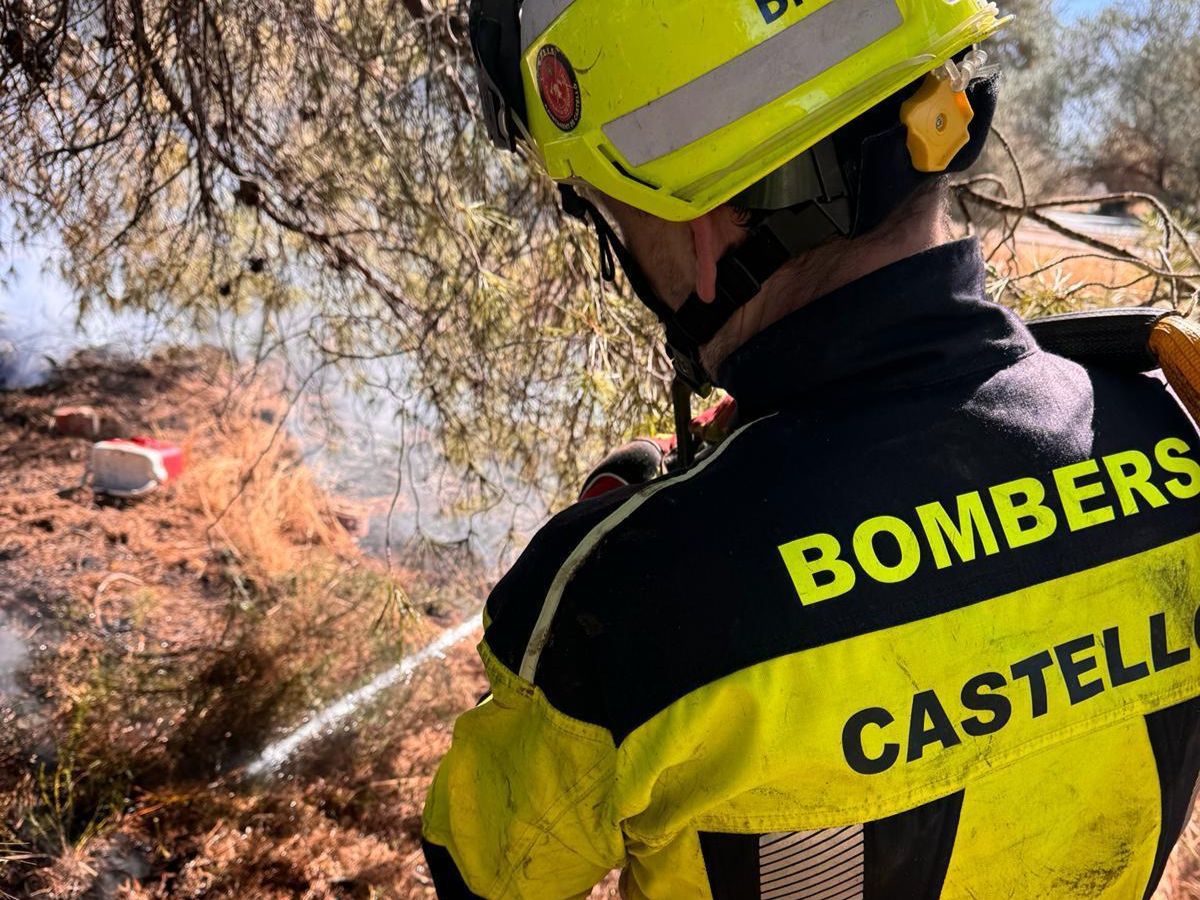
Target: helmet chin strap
[
  {"x": 779, "y": 237},
  {"x": 741, "y": 273}
]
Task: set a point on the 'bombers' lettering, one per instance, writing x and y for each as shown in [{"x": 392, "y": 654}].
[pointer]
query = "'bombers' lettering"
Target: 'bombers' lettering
[
  {"x": 1065, "y": 675},
  {"x": 890, "y": 549},
  {"x": 962, "y": 533}
]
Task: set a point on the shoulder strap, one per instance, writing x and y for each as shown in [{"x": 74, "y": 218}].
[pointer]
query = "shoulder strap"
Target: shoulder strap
[{"x": 1108, "y": 338}]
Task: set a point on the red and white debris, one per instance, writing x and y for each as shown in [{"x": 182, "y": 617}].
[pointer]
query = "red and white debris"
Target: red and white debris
[{"x": 133, "y": 467}]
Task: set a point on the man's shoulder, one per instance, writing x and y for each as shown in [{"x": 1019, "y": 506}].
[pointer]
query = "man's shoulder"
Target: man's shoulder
[
  {"x": 1129, "y": 406},
  {"x": 516, "y": 602},
  {"x": 599, "y": 557}
]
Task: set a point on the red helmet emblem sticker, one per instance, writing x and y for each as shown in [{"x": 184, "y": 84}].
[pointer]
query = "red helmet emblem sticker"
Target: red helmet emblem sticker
[{"x": 558, "y": 87}]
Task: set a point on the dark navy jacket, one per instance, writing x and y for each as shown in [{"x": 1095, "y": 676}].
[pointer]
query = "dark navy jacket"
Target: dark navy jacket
[{"x": 923, "y": 627}]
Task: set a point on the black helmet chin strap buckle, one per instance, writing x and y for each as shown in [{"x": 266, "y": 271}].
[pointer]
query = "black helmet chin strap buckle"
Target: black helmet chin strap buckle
[{"x": 688, "y": 368}]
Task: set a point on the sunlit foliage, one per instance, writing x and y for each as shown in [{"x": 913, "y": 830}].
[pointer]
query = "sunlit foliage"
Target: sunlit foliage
[{"x": 316, "y": 164}]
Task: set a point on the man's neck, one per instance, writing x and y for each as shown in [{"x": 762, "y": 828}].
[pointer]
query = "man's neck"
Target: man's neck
[{"x": 828, "y": 268}]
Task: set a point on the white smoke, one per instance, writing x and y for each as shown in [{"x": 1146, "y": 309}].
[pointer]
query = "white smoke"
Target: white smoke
[
  {"x": 14, "y": 657},
  {"x": 19, "y": 370}
]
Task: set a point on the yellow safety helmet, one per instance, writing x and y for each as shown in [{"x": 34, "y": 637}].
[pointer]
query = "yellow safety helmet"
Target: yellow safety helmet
[
  {"x": 677, "y": 106},
  {"x": 810, "y": 114}
]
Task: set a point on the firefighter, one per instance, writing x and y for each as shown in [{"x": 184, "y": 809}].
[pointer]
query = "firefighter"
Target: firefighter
[{"x": 926, "y": 624}]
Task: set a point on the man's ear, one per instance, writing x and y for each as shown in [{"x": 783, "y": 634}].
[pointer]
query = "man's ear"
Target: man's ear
[{"x": 706, "y": 235}]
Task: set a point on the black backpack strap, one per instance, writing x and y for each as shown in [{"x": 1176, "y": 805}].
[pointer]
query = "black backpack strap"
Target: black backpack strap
[{"x": 1107, "y": 338}]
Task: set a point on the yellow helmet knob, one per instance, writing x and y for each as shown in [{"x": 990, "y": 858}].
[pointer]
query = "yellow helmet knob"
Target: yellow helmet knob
[{"x": 938, "y": 119}]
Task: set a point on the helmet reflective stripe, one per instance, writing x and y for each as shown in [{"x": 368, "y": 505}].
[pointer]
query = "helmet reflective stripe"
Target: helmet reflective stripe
[
  {"x": 723, "y": 95},
  {"x": 683, "y": 104},
  {"x": 537, "y": 16}
]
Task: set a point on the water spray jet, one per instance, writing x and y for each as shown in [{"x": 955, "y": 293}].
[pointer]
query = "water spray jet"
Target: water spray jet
[{"x": 275, "y": 755}]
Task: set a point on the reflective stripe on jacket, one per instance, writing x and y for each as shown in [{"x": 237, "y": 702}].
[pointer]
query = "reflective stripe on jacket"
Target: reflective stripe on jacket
[{"x": 926, "y": 627}]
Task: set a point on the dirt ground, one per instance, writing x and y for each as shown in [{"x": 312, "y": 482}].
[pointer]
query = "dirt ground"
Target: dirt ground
[{"x": 149, "y": 650}]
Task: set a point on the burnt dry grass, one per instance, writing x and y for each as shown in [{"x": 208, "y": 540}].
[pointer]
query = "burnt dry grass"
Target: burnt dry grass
[{"x": 151, "y": 649}]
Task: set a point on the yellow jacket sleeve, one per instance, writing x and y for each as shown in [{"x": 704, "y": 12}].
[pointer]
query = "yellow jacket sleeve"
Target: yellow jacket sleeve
[{"x": 522, "y": 801}]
